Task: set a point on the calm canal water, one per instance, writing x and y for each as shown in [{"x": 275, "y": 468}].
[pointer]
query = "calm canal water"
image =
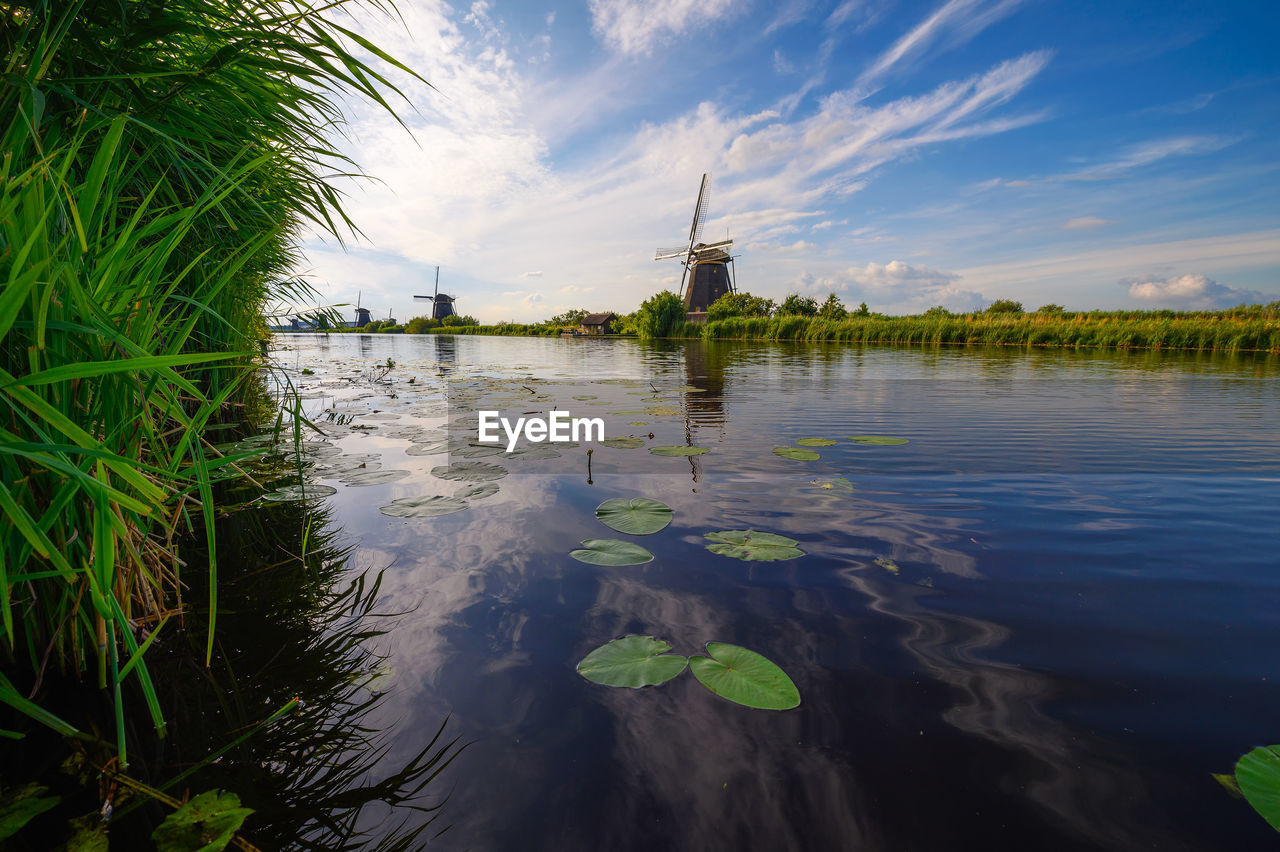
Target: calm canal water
[{"x": 1040, "y": 624}]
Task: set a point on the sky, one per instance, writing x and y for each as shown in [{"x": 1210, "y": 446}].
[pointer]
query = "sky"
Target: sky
[{"x": 1108, "y": 154}]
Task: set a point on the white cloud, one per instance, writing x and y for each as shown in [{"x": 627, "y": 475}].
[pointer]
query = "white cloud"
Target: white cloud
[
  {"x": 1084, "y": 223},
  {"x": 953, "y": 24},
  {"x": 895, "y": 287},
  {"x": 635, "y": 27},
  {"x": 782, "y": 65},
  {"x": 571, "y": 289},
  {"x": 537, "y": 274},
  {"x": 1192, "y": 291}
]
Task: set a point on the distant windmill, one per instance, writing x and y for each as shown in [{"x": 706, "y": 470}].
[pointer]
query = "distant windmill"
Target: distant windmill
[
  {"x": 706, "y": 265},
  {"x": 362, "y": 314},
  {"x": 441, "y": 305}
]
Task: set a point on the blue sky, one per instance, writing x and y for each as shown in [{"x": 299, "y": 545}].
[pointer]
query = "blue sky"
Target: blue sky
[{"x": 905, "y": 154}]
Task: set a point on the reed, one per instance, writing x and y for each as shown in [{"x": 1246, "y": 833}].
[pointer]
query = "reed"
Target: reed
[{"x": 159, "y": 162}]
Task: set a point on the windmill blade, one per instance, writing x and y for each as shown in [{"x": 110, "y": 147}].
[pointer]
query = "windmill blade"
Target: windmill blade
[
  {"x": 674, "y": 251},
  {"x": 700, "y": 210}
]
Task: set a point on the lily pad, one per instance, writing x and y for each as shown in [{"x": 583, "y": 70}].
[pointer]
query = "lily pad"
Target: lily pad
[
  {"x": 204, "y": 824},
  {"x": 678, "y": 451},
  {"x": 815, "y": 442},
  {"x": 477, "y": 492},
  {"x": 753, "y": 546},
  {"x": 1258, "y": 774},
  {"x": 475, "y": 471},
  {"x": 888, "y": 565},
  {"x": 373, "y": 477},
  {"x": 839, "y": 485},
  {"x": 632, "y": 661},
  {"x": 22, "y": 804},
  {"x": 744, "y": 677},
  {"x": 797, "y": 453},
  {"x": 532, "y": 453},
  {"x": 423, "y": 507},
  {"x": 431, "y": 448},
  {"x": 611, "y": 551},
  {"x": 289, "y": 493},
  {"x": 638, "y": 516},
  {"x": 623, "y": 443},
  {"x": 878, "y": 440},
  {"x": 662, "y": 411},
  {"x": 477, "y": 451}
]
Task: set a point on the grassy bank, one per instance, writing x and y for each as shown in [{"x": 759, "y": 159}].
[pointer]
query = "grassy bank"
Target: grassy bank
[{"x": 159, "y": 163}]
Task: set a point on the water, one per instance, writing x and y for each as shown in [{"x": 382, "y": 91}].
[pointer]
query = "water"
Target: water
[{"x": 1040, "y": 624}]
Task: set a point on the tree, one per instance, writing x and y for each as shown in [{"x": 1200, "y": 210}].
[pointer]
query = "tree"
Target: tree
[
  {"x": 568, "y": 318},
  {"x": 1004, "y": 306},
  {"x": 739, "y": 305},
  {"x": 833, "y": 308},
  {"x": 937, "y": 311},
  {"x": 862, "y": 310},
  {"x": 797, "y": 305},
  {"x": 420, "y": 325},
  {"x": 660, "y": 315},
  {"x": 456, "y": 320},
  {"x": 1050, "y": 309}
]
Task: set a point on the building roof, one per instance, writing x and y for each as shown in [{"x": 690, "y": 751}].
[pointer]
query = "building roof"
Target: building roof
[{"x": 598, "y": 319}]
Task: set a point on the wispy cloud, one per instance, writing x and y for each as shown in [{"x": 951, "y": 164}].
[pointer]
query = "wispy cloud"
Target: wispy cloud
[
  {"x": 1085, "y": 223},
  {"x": 635, "y": 27},
  {"x": 953, "y": 24}
]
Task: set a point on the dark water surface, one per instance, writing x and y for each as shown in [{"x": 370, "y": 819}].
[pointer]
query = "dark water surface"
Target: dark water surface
[{"x": 1039, "y": 625}]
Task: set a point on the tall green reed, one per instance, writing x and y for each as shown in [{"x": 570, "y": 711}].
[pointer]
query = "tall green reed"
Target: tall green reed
[{"x": 159, "y": 163}]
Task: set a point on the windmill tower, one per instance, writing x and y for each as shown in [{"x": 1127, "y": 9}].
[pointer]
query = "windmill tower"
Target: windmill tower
[
  {"x": 707, "y": 266},
  {"x": 362, "y": 314},
  {"x": 441, "y": 305}
]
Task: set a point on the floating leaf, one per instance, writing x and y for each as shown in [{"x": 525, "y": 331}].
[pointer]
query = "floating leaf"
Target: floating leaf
[
  {"x": 1258, "y": 774},
  {"x": 423, "y": 507},
  {"x": 662, "y": 411},
  {"x": 532, "y": 453},
  {"x": 610, "y": 551},
  {"x": 22, "y": 804},
  {"x": 90, "y": 835},
  {"x": 476, "y": 471},
  {"x": 878, "y": 440},
  {"x": 373, "y": 477},
  {"x": 632, "y": 661},
  {"x": 477, "y": 451},
  {"x": 637, "y": 422},
  {"x": 477, "y": 492},
  {"x": 753, "y": 546},
  {"x": 678, "y": 451},
  {"x": 343, "y": 467},
  {"x": 744, "y": 677},
  {"x": 888, "y": 565},
  {"x": 623, "y": 443},
  {"x": 204, "y": 824},
  {"x": 638, "y": 516},
  {"x": 430, "y": 448},
  {"x": 584, "y": 397},
  {"x": 796, "y": 453},
  {"x": 289, "y": 493},
  {"x": 839, "y": 485},
  {"x": 815, "y": 442}
]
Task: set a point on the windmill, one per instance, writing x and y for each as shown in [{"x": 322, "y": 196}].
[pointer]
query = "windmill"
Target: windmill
[
  {"x": 706, "y": 265},
  {"x": 363, "y": 316},
  {"x": 441, "y": 305}
]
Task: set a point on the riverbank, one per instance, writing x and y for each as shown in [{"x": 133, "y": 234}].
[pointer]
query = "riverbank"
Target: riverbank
[{"x": 1247, "y": 329}]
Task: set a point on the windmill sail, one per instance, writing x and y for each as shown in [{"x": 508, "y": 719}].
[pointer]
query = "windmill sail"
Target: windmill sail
[
  {"x": 705, "y": 266},
  {"x": 441, "y": 304}
]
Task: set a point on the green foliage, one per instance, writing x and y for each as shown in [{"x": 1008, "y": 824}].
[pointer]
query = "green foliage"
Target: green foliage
[
  {"x": 160, "y": 163},
  {"x": 20, "y": 805},
  {"x": 797, "y": 305},
  {"x": 678, "y": 450},
  {"x": 459, "y": 320},
  {"x": 1004, "y": 306},
  {"x": 637, "y": 516},
  {"x": 739, "y": 305},
  {"x": 611, "y": 551},
  {"x": 862, "y": 310},
  {"x": 660, "y": 315},
  {"x": 937, "y": 311},
  {"x": 744, "y": 677},
  {"x": 878, "y": 440},
  {"x": 1050, "y": 309},
  {"x": 571, "y": 318},
  {"x": 1258, "y": 776},
  {"x": 833, "y": 308},
  {"x": 753, "y": 546},
  {"x": 632, "y": 661},
  {"x": 419, "y": 325},
  {"x": 391, "y": 328},
  {"x": 796, "y": 453},
  {"x": 205, "y": 824}
]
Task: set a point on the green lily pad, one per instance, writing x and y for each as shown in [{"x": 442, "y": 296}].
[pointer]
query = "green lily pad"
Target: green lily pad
[
  {"x": 477, "y": 492},
  {"x": 638, "y": 516},
  {"x": 632, "y": 661},
  {"x": 476, "y": 471},
  {"x": 289, "y": 493},
  {"x": 20, "y": 805},
  {"x": 815, "y": 442},
  {"x": 753, "y": 546},
  {"x": 428, "y": 448},
  {"x": 205, "y": 824},
  {"x": 637, "y": 422},
  {"x": 610, "y": 551},
  {"x": 744, "y": 677},
  {"x": 623, "y": 443},
  {"x": 662, "y": 411},
  {"x": 678, "y": 451},
  {"x": 373, "y": 477},
  {"x": 878, "y": 440},
  {"x": 839, "y": 485},
  {"x": 796, "y": 453},
  {"x": 477, "y": 451},
  {"x": 423, "y": 507},
  {"x": 888, "y": 565},
  {"x": 1258, "y": 774}
]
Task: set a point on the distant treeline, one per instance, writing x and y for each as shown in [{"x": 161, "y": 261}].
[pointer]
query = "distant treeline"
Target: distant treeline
[{"x": 741, "y": 316}]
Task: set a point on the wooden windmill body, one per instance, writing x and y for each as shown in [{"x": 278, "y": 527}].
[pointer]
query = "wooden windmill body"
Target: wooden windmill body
[
  {"x": 708, "y": 267},
  {"x": 441, "y": 305}
]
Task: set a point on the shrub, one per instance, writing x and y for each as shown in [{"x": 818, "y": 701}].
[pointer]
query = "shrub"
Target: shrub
[
  {"x": 833, "y": 308},
  {"x": 660, "y": 315},
  {"x": 739, "y": 305},
  {"x": 1004, "y": 306},
  {"x": 797, "y": 305}
]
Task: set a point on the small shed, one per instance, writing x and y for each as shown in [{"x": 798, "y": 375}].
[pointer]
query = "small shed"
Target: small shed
[{"x": 598, "y": 323}]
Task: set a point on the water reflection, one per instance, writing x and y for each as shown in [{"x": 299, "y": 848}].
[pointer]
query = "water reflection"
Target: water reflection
[{"x": 970, "y": 628}]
